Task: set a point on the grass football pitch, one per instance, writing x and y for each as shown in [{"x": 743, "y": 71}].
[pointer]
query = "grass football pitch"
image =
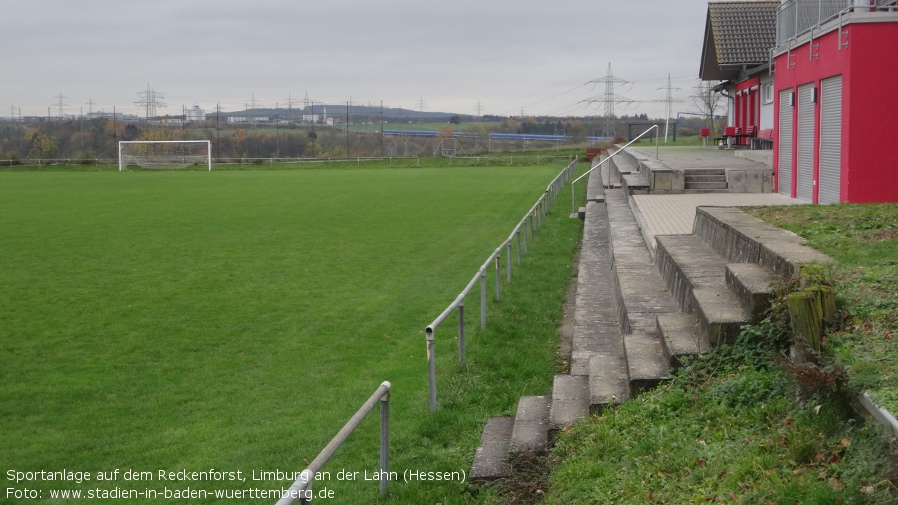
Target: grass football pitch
[{"x": 235, "y": 320}]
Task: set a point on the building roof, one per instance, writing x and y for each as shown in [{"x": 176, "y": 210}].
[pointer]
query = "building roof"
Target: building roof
[{"x": 738, "y": 36}]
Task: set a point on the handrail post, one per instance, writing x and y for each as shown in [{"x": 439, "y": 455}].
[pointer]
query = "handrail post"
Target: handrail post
[
  {"x": 519, "y": 246},
  {"x": 461, "y": 333},
  {"x": 508, "y": 260},
  {"x": 498, "y": 262},
  {"x": 431, "y": 370},
  {"x": 384, "y": 443},
  {"x": 483, "y": 299}
]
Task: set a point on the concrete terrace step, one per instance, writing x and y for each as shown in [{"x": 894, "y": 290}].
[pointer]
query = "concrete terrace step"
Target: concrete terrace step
[
  {"x": 636, "y": 282},
  {"x": 596, "y": 327},
  {"x": 641, "y": 297},
  {"x": 622, "y": 164},
  {"x": 681, "y": 335},
  {"x": 570, "y": 400},
  {"x": 704, "y": 171},
  {"x": 703, "y": 177},
  {"x": 752, "y": 283},
  {"x": 696, "y": 274},
  {"x": 530, "y": 433},
  {"x": 646, "y": 363},
  {"x": 705, "y": 185},
  {"x": 695, "y": 191},
  {"x": 490, "y": 460},
  {"x": 609, "y": 380},
  {"x": 686, "y": 263},
  {"x": 720, "y": 313},
  {"x": 595, "y": 191},
  {"x": 635, "y": 183}
]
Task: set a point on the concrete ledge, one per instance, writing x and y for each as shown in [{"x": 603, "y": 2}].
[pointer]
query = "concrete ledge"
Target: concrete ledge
[
  {"x": 749, "y": 181},
  {"x": 760, "y": 155},
  {"x": 865, "y": 405}
]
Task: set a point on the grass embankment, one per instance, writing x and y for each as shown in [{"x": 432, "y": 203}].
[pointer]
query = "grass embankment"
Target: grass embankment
[
  {"x": 236, "y": 319},
  {"x": 863, "y": 239},
  {"x": 729, "y": 428}
]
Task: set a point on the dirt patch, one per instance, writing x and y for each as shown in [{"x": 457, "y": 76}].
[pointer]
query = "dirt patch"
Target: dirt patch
[
  {"x": 566, "y": 331},
  {"x": 528, "y": 481}
]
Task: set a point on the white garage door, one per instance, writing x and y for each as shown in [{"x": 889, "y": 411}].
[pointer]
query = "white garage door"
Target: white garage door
[
  {"x": 830, "y": 139},
  {"x": 804, "y": 161},
  {"x": 784, "y": 143}
]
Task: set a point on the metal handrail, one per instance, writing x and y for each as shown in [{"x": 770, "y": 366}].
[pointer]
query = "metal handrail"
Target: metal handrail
[
  {"x": 301, "y": 489},
  {"x": 531, "y": 221},
  {"x": 597, "y": 165}
]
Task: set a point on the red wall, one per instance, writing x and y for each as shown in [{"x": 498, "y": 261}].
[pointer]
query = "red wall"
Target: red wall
[{"x": 869, "y": 69}]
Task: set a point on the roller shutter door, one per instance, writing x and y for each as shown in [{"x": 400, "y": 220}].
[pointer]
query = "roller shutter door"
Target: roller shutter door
[
  {"x": 784, "y": 143},
  {"x": 830, "y": 139},
  {"x": 804, "y": 162}
]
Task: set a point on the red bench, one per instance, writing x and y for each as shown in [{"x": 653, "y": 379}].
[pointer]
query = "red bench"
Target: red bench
[{"x": 764, "y": 140}]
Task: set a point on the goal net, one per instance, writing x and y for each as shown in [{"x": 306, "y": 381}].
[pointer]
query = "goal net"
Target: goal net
[{"x": 164, "y": 154}]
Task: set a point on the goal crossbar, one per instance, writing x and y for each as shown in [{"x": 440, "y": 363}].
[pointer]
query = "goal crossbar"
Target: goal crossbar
[{"x": 164, "y": 153}]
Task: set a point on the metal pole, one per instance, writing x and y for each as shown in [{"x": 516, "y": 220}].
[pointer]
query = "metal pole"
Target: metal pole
[
  {"x": 384, "y": 443},
  {"x": 508, "y": 260},
  {"x": 461, "y": 333},
  {"x": 431, "y": 372},
  {"x": 532, "y": 235},
  {"x": 483, "y": 300},
  {"x": 519, "y": 247},
  {"x": 498, "y": 278}
]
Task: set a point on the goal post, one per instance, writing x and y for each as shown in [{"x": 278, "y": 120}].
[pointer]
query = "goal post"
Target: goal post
[{"x": 164, "y": 154}]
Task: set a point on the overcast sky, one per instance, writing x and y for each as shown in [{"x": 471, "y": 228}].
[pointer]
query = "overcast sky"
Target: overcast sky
[{"x": 511, "y": 56}]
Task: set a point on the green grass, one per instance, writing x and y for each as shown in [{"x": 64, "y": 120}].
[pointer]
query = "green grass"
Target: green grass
[
  {"x": 236, "y": 319},
  {"x": 726, "y": 429},
  {"x": 863, "y": 239}
]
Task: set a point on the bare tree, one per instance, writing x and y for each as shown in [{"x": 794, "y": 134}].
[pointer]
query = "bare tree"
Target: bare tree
[{"x": 707, "y": 101}]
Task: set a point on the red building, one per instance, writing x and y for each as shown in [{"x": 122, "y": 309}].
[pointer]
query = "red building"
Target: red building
[
  {"x": 835, "y": 67},
  {"x": 828, "y": 90}
]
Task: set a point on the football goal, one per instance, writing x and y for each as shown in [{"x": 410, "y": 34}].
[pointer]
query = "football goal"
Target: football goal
[{"x": 164, "y": 154}]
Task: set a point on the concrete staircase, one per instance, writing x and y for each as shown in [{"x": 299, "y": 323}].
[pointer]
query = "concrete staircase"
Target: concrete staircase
[{"x": 636, "y": 318}]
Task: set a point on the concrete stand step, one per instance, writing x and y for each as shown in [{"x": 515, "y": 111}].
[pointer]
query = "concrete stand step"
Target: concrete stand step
[
  {"x": 609, "y": 382},
  {"x": 570, "y": 400},
  {"x": 530, "y": 433},
  {"x": 681, "y": 335},
  {"x": 490, "y": 460},
  {"x": 752, "y": 283},
  {"x": 720, "y": 313},
  {"x": 687, "y": 263},
  {"x": 645, "y": 361}
]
